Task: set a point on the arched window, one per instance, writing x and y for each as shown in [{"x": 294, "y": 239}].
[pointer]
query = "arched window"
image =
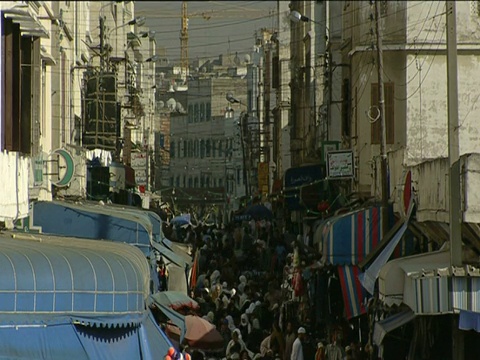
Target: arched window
[
  {"x": 202, "y": 149},
  {"x": 196, "y": 149},
  {"x": 196, "y": 114},
  {"x": 190, "y": 148},
  {"x": 208, "y": 112},
  {"x": 190, "y": 113},
  {"x": 202, "y": 112}
]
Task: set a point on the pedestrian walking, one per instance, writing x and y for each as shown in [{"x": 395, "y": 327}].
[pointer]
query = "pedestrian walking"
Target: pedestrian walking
[{"x": 297, "y": 348}]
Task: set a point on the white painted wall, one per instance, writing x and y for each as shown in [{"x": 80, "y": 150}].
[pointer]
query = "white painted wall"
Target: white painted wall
[{"x": 14, "y": 185}]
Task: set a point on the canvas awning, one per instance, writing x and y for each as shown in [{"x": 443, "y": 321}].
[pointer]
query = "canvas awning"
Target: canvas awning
[
  {"x": 94, "y": 221},
  {"x": 348, "y": 238},
  {"x": 63, "y": 339},
  {"x": 392, "y": 278},
  {"x": 384, "y": 251},
  {"x": 43, "y": 276},
  {"x": 176, "y": 318},
  {"x": 391, "y": 323},
  {"x": 354, "y": 294}
]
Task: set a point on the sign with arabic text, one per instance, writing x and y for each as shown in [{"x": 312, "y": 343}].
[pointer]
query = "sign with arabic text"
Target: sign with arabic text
[{"x": 340, "y": 164}]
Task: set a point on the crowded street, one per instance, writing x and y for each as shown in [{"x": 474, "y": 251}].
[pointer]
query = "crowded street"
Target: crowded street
[{"x": 259, "y": 288}]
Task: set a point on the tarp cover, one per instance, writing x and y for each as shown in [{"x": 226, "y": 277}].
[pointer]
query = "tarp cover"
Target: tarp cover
[
  {"x": 94, "y": 222},
  {"x": 64, "y": 339},
  {"x": 43, "y": 276},
  {"x": 391, "y": 323}
]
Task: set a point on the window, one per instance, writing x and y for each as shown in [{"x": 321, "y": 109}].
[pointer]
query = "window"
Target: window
[
  {"x": 190, "y": 148},
  {"x": 202, "y": 181},
  {"x": 196, "y": 150},
  {"x": 214, "y": 148},
  {"x": 177, "y": 181},
  {"x": 389, "y": 114},
  {"x": 195, "y": 182},
  {"x": 207, "y": 181},
  {"x": 179, "y": 151},
  {"x": 195, "y": 113},
  {"x": 185, "y": 148},
  {"x": 202, "y": 112},
  {"x": 190, "y": 182},
  {"x": 202, "y": 149},
  {"x": 208, "y": 149},
  {"x": 214, "y": 182},
  {"x": 172, "y": 149},
  {"x": 220, "y": 182},
  {"x": 184, "y": 181},
  {"x": 220, "y": 148},
  {"x": 190, "y": 113},
  {"x": 208, "y": 112}
]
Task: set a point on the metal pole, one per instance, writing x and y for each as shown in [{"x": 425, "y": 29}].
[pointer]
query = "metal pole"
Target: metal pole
[
  {"x": 383, "y": 132},
  {"x": 453, "y": 143},
  {"x": 102, "y": 42},
  {"x": 243, "y": 117},
  {"x": 455, "y": 215}
]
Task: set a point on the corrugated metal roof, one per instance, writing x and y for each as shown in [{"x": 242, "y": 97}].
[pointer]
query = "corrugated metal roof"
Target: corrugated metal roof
[{"x": 51, "y": 276}]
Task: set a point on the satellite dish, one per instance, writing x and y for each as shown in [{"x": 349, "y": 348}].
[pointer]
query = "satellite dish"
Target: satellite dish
[
  {"x": 179, "y": 107},
  {"x": 247, "y": 59},
  {"x": 161, "y": 104},
  {"x": 171, "y": 104}
]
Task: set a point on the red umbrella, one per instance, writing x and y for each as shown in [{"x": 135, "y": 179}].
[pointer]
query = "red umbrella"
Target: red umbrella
[
  {"x": 200, "y": 334},
  {"x": 175, "y": 300}
]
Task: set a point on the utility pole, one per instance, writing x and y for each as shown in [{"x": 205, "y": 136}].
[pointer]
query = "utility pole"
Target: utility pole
[
  {"x": 383, "y": 129},
  {"x": 455, "y": 214}
]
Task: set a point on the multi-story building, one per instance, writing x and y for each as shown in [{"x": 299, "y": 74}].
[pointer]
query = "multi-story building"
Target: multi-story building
[{"x": 201, "y": 148}]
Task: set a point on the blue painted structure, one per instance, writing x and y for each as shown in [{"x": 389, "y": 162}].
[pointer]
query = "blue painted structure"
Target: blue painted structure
[{"x": 70, "y": 299}]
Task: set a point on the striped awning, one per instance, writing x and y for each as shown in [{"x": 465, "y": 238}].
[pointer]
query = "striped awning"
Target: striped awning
[
  {"x": 41, "y": 277},
  {"x": 348, "y": 238},
  {"x": 354, "y": 295}
]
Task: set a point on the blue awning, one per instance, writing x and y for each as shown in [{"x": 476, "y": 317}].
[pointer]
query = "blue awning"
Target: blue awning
[
  {"x": 93, "y": 221},
  {"x": 64, "y": 339},
  {"x": 391, "y": 323},
  {"x": 177, "y": 319},
  {"x": 44, "y": 277},
  {"x": 170, "y": 255}
]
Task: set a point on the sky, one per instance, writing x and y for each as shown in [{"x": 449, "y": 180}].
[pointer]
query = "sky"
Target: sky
[{"x": 214, "y": 27}]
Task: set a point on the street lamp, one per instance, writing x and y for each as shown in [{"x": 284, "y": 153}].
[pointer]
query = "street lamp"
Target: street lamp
[
  {"x": 296, "y": 17},
  {"x": 153, "y": 58}
]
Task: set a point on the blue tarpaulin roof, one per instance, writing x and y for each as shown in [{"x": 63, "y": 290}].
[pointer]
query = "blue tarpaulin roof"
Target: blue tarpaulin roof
[
  {"x": 94, "y": 222},
  {"x": 43, "y": 276},
  {"x": 65, "y": 339}
]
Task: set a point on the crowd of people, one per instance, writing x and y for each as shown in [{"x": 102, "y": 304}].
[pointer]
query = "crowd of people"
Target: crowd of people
[{"x": 241, "y": 284}]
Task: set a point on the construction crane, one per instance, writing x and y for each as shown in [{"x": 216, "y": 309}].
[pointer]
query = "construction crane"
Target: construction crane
[{"x": 184, "y": 44}]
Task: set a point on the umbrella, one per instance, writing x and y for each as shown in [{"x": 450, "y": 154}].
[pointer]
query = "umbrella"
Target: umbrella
[
  {"x": 259, "y": 212},
  {"x": 200, "y": 334},
  {"x": 181, "y": 220},
  {"x": 174, "y": 300}
]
